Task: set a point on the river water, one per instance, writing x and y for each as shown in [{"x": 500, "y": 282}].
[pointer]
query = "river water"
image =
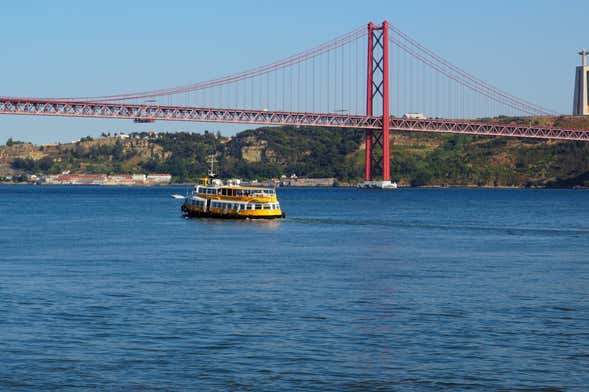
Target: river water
[{"x": 416, "y": 289}]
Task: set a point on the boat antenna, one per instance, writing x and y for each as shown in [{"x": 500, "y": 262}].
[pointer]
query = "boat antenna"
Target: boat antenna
[{"x": 212, "y": 161}]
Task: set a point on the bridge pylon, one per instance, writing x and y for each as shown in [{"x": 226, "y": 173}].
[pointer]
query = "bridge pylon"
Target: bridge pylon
[{"x": 377, "y": 94}]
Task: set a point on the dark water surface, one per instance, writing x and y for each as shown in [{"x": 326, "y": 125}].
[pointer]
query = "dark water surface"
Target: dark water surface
[{"x": 111, "y": 289}]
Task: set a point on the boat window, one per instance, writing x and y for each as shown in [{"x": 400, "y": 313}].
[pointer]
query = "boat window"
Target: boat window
[
  {"x": 258, "y": 206},
  {"x": 267, "y": 206}
]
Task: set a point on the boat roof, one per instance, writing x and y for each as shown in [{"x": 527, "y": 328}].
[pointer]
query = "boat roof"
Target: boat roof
[{"x": 251, "y": 188}]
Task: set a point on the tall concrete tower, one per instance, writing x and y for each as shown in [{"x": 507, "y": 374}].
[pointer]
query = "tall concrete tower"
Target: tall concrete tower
[{"x": 581, "y": 100}]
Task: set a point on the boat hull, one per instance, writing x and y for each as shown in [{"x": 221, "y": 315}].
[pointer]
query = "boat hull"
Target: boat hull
[{"x": 197, "y": 212}]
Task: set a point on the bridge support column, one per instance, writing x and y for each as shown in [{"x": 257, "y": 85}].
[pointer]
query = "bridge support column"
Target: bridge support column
[
  {"x": 386, "y": 112},
  {"x": 377, "y": 83},
  {"x": 368, "y": 156}
]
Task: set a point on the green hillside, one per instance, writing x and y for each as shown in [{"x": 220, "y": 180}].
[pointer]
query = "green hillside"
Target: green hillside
[{"x": 416, "y": 159}]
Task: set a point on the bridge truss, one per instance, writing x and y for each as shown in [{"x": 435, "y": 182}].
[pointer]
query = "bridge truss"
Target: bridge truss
[{"x": 22, "y": 106}]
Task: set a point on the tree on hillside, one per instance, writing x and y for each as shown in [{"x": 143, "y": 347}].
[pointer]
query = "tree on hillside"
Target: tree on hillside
[{"x": 11, "y": 142}]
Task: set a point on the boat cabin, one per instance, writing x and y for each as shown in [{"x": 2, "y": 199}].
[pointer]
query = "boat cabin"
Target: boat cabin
[{"x": 234, "y": 191}]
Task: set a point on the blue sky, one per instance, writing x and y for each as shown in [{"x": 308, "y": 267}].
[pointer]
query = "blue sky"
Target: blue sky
[{"x": 72, "y": 48}]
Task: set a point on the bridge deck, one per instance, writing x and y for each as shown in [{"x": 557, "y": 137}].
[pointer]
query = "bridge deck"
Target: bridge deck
[{"x": 37, "y": 107}]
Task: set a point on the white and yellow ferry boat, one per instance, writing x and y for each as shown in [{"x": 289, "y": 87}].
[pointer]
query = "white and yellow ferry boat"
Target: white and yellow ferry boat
[{"x": 211, "y": 198}]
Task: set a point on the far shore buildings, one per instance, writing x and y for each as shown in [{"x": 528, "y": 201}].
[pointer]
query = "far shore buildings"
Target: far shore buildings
[{"x": 104, "y": 179}]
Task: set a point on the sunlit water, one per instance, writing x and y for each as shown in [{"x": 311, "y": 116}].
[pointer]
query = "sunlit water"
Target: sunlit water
[{"x": 111, "y": 289}]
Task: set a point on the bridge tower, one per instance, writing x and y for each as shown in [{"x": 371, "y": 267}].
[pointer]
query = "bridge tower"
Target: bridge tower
[
  {"x": 377, "y": 94},
  {"x": 581, "y": 100}
]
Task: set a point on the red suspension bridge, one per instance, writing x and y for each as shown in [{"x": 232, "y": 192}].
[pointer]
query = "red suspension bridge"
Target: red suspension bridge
[{"x": 377, "y": 78}]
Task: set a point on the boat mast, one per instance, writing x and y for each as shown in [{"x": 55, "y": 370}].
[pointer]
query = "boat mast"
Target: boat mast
[{"x": 212, "y": 161}]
